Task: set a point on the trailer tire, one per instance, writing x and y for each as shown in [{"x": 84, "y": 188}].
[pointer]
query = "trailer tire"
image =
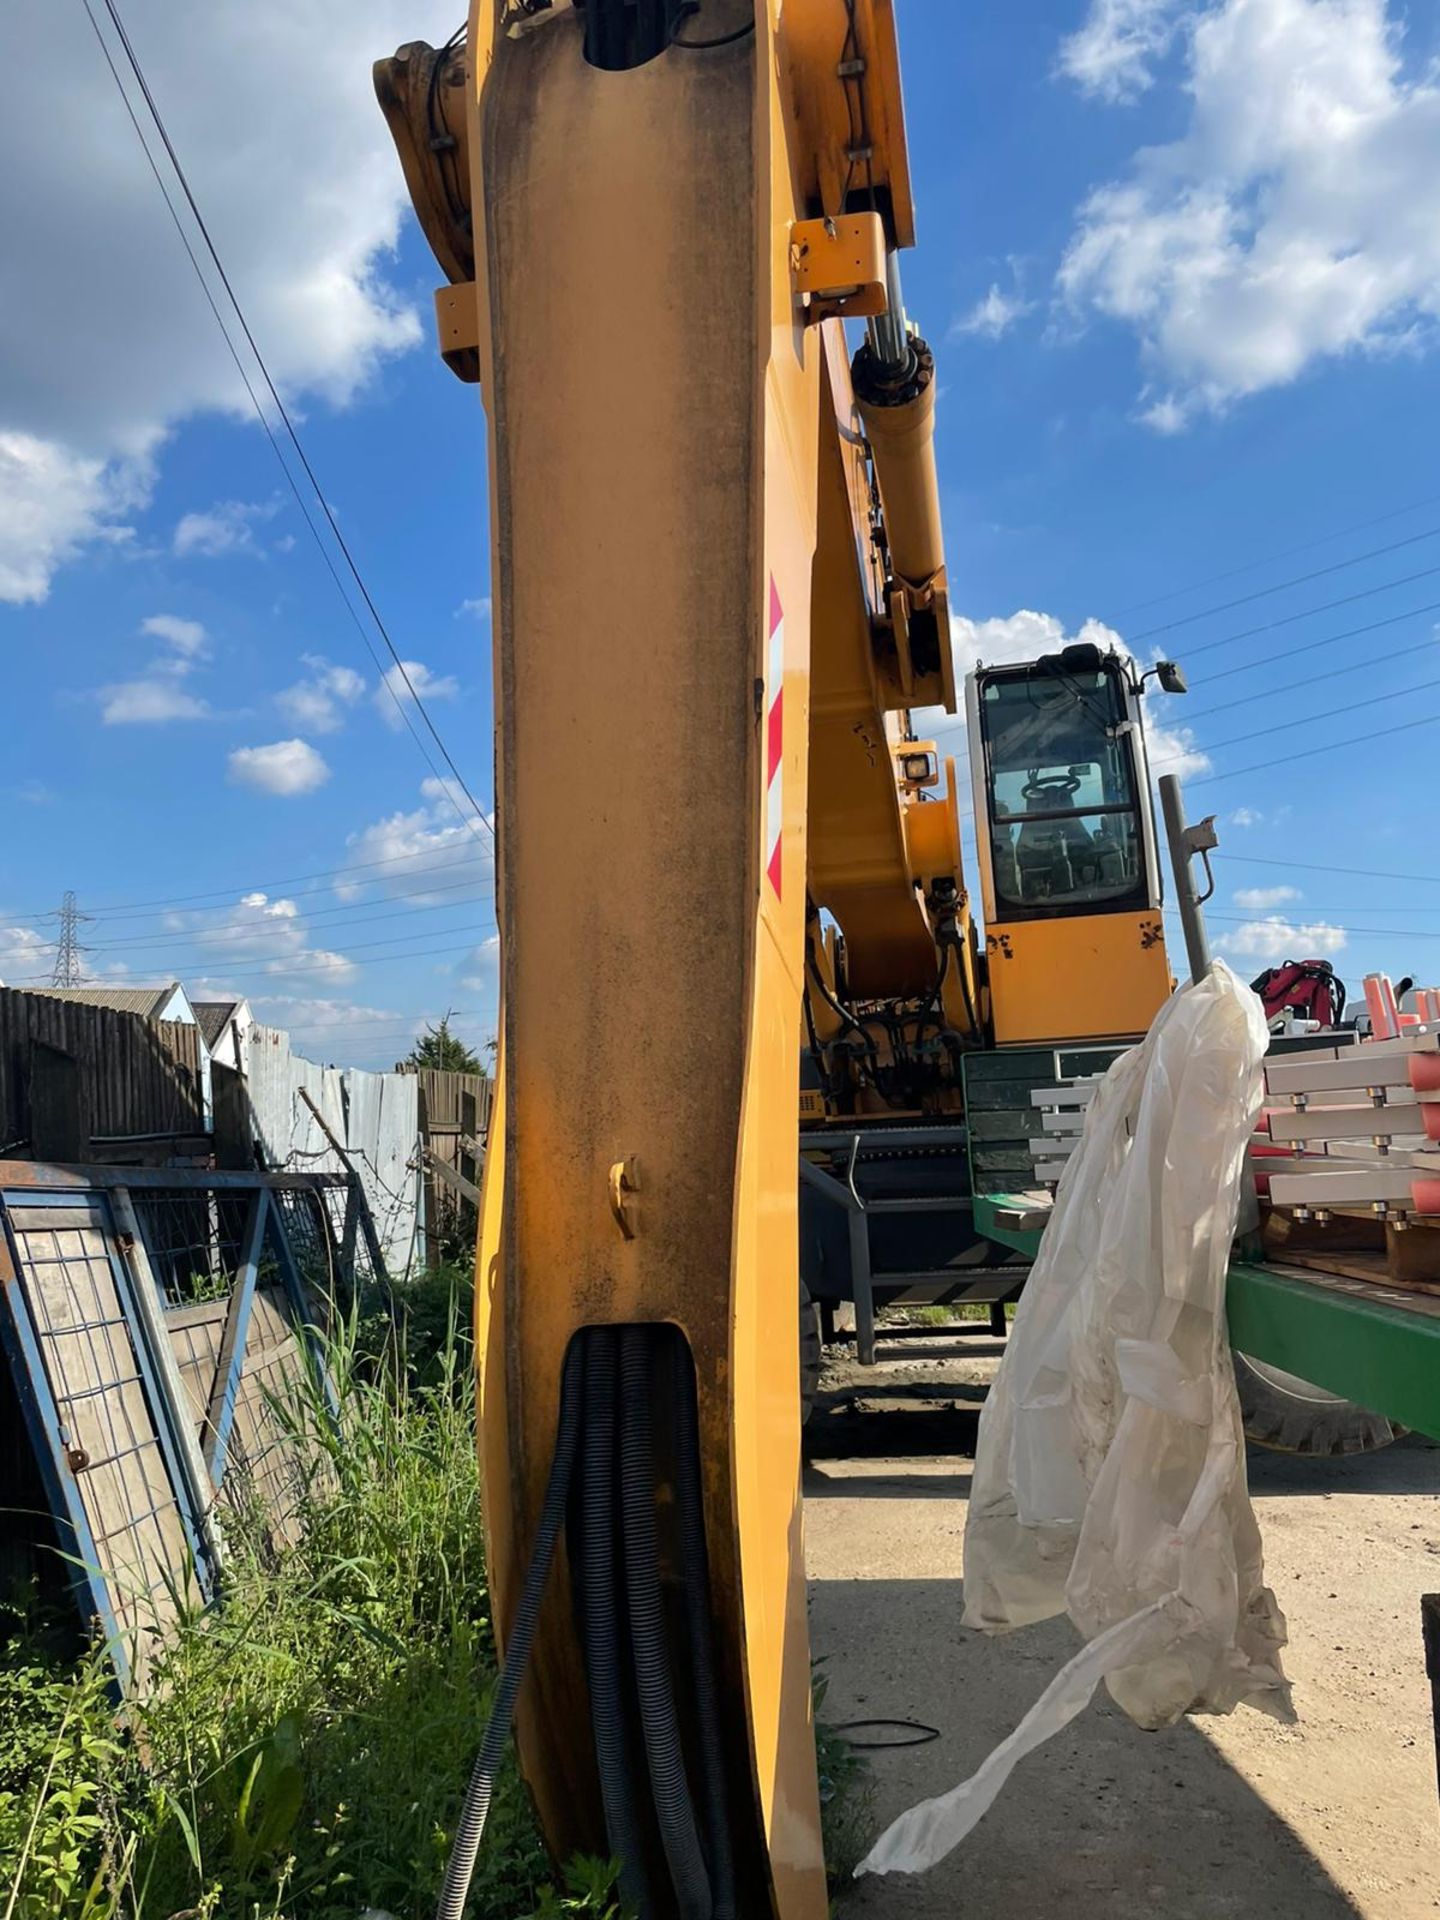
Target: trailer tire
[
  {"x": 1290, "y": 1415},
  {"x": 810, "y": 1354}
]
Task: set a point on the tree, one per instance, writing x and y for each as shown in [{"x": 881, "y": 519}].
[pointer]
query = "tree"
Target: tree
[{"x": 439, "y": 1047}]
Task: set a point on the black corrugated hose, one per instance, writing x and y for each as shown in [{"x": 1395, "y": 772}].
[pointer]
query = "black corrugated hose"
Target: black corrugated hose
[
  {"x": 695, "y": 1569},
  {"x": 607, "y": 1398},
  {"x": 597, "y": 1597},
  {"x": 654, "y": 1684}
]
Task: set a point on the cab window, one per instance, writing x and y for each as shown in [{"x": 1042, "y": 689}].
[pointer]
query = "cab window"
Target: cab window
[{"x": 1064, "y": 812}]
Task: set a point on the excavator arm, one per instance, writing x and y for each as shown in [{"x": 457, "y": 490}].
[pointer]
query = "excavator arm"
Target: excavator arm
[{"x": 718, "y": 588}]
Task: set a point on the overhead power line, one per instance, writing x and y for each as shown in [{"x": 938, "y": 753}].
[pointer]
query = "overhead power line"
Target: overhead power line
[
  {"x": 1283, "y": 586},
  {"x": 1308, "y": 753},
  {"x": 212, "y": 938},
  {"x": 1310, "y": 680},
  {"x": 1318, "y": 646},
  {"x": 111, "y": 8},
  {"x": 1285, "y": 553},
  {"x": 268, "y": 963},
  {"x": 1388, "y": 933},
  {"x": 1314, "y": 719},
  {"x": 269, "y": 970},
  {"x": 1307, "y": 613},
  {"x": 436, "y": 864},
  {"x": 1312, "y": 866}
]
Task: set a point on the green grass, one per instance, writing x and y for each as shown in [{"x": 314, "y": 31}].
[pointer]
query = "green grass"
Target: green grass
[
  {"x": 303, "y": 1749},
  {"x": 305, "y": 1746},
  {"x": 936, "y": 1316},
  {"x": 847, "y": 1798}
]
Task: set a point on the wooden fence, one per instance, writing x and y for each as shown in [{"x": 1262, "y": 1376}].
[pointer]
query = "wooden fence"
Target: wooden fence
[
  {"x": 72, "y": 1074},
  {"x": 454, "y": 1119}
]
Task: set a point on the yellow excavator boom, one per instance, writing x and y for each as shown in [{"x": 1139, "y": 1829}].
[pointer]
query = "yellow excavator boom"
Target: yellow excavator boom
[{"x": 718, "y": 590}]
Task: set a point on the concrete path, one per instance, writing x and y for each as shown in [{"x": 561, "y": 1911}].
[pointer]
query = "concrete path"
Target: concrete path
[{"x": 1334, "y": 1817}]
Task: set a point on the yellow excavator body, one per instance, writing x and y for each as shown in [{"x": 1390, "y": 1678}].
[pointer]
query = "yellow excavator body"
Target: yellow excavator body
[{"x": 718, "y": 589}]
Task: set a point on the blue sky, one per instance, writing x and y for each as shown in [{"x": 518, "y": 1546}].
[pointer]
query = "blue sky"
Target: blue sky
[{"x": 1181, "y": 269}]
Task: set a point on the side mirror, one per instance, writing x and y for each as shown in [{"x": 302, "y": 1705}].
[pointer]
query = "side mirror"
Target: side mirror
[{"x": 1171, "y": 679}]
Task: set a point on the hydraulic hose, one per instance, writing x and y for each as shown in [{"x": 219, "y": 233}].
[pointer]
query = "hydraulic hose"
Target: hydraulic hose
[
  {"x": 695, "y": 1571},
  {"x": 674, "y": 1810},
  {"x": 461, "y": 1867},
  {"x": 596, "y": 1595}
]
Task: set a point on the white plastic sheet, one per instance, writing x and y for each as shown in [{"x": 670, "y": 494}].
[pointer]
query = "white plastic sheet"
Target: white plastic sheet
[{"x": 1110, "y": 1472}]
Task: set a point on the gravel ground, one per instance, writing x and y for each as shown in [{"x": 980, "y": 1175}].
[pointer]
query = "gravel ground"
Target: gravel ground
[{"x": 1334, "y": 1816}]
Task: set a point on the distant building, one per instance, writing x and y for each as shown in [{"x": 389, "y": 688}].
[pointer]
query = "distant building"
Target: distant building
[{"x": 225, "y": 1026}]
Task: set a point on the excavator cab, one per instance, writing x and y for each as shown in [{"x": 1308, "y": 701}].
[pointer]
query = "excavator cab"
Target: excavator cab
[{"x": 1065, "y": 835}]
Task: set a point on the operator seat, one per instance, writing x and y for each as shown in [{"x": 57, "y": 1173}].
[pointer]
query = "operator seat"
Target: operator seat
[{"x": 1052, "y": 855}]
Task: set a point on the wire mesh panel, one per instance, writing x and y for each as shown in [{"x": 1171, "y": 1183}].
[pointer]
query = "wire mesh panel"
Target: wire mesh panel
[
  {"x": 195, "y": 1239},
  {"x": 314, "y": 1224},
  {"x": 110, "y": 1435},
  {"x": 193, "y": 1236},
  {"x": 268, "y": 1464}
]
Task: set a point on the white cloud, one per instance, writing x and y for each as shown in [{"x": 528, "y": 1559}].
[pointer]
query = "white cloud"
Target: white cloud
[
  {"x": 1111, "y": 54},
  {"x": 1019, "y": 636},
  {"x": 272, "y": 110},
  {"x": 994, "y": 315},
  {"x": 227, "y": 527},
  {"x": 285, "y": 767},
  {"x": 316, "y": 704},
  {"x": 255, "y": 938},
  {"x": 187, "y": 637},
  {"x": 269, "y": 909},
  {"x": 1167, "y": 415},
  {"x": 1025, "y": 635},
  {"x": 426, "y": 855},
  {"x": 325, "y": 1026},
  {"x": 149, "y": 702},
  {"x": 481, "y": 971},
  {"x": 26, "y": 957},
  {"x": 393, "y": 695},
  {"x": 474, "y": 609},
  {"x": 1245, "y": 817},
  {"x": 306, "y": 1013},
  {"x": 55, "y": 501},
  {"x": 1253, "y": 898},
  {"x": 1174, "y": 750},
  {"x": 320, "y": 961},
  {"x": 156, "y": 696},
  {"x": 1276, "y": 938},
  {"x": 1295, "y": 219}
]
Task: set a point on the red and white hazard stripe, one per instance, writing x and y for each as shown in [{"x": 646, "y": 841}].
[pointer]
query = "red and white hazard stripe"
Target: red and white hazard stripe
[{"x": 774, "y": 740}]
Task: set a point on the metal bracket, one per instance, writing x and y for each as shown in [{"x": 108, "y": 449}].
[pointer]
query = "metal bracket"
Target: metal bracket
[
  {"x": 838, "y": 265},
  {"x": 457, "y": 329},
  {"x": 624, "y": 1180},
  {"x": 1202, "y": 837}
]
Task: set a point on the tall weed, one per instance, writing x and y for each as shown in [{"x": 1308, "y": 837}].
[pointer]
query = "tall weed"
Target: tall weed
[{"x": 305, "y": 1745}]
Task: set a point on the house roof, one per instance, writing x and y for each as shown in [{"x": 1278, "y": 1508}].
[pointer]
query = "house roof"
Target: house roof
[
  {"x": 214, "y": 1016},
  {"x": 147, "y": 1001}
]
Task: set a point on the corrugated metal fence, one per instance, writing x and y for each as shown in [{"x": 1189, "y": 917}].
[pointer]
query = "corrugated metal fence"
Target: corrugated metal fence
[
  {"x": 375, "y": 1116},
  {"x": 135, "y": 1076}
]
